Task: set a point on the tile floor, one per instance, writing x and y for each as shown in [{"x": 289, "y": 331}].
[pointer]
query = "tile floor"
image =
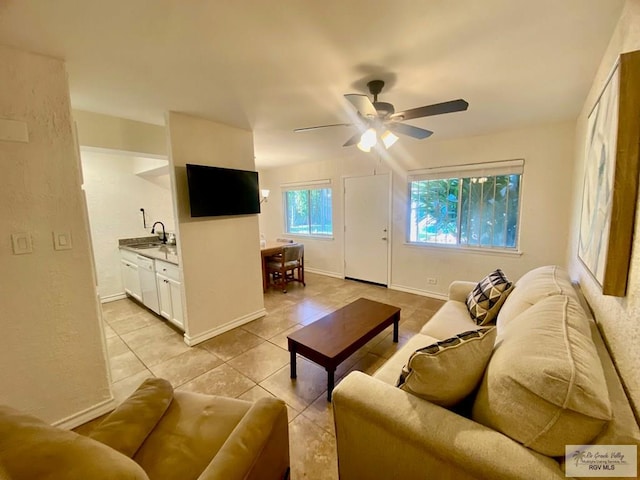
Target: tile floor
[{"x": 252, "y": 361}]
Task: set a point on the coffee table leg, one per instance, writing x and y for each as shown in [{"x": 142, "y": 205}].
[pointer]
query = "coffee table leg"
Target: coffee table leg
[
  {"x": 292, "y": 351},
  {"x": 395, "y": 329},
  {"x": 330, "y": 382}
]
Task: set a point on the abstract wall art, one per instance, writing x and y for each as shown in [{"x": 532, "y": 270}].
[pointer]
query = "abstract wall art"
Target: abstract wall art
[{"x": 611, "y": 178}]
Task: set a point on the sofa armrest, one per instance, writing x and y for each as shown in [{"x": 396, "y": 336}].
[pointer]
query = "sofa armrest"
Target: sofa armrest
[
  {"x": 258, "y": 447},
  {"x": 384, "y": 432},
  {"x": 459, "y": 289}
]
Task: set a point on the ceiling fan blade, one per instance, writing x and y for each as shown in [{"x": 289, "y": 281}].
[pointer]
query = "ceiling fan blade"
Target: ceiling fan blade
[
  {"x": 409, "y": 130},
  {"x": 353, "y": 140},
  {"x": 306, "y": 129},
  {"x": 429, "y": 110},
  {"x": 363, "y": 104}
]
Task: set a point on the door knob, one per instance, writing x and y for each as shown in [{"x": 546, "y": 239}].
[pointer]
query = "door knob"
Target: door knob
[{"x": 384, "y": 238}]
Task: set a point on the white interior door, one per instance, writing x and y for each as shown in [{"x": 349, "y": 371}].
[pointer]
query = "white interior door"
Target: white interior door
[{"x": 366, "y": 219}]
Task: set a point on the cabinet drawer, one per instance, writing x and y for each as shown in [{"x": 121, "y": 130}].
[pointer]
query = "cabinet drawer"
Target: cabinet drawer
[
  {"x": 129, "y": 256},
  {"x": 169, "y": 270}
]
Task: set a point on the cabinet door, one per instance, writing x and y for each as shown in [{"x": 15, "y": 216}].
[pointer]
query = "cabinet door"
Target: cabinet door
[
  {"x": 164, "y": 296},
  {"x": 176, "y": 302},
  {"x": 131, "y": 280}
]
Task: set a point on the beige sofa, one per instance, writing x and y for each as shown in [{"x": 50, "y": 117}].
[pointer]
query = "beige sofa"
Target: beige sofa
[
  {"x": 522, "y": 399},
  {"x": 156, "y": 433}
]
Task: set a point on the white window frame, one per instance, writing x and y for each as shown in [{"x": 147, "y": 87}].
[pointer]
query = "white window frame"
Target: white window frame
[
  {"x": 506, "y": 167},
  {"x": 310, "y": 185}
]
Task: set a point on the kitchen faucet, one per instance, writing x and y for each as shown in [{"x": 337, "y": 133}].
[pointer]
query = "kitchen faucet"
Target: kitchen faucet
[{"x": 164, "y": 232}]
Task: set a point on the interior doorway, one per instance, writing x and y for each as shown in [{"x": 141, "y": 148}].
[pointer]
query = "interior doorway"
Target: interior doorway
[
  {"x": 125, "y": 193},
  {"x": 366, "y": 220}
]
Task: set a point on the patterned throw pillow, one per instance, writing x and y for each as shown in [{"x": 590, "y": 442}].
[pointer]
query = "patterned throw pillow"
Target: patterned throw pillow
[
  {"x": 485, "y": 300},
  {"x": 446, "y": 372}
]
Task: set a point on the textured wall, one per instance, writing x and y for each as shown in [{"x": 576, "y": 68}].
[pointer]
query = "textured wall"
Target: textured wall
[
  {"x": 114, "y": 198},
  {"x": 220, "y": 256},
  {"x": 619, "y": 318},
  {"x": 52, "y": 355}
]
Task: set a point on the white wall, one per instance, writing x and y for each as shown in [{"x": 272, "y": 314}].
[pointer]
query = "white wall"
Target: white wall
[
  {"x": 114, "y": 133},
  {"x": 219, "y": 256},
  {"x": 115, "y": 195},
  {"x": 53, "y": 353},
  {"x": 619, "y": 318},
  {"x": 323, "y": 255},
  {"x": 544, "y": 216},
  {"x": 547, "y": 150}
]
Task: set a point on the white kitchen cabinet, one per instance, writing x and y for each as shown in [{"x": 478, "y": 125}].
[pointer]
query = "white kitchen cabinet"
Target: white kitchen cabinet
[
  {"x": 130, "y": 277},
  {"x": 176, "y": 303},
  {"x": 170, "y": 292}
]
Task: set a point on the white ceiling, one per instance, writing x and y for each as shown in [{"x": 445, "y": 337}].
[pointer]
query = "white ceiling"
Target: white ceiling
[{"x": 275, "y": 65}]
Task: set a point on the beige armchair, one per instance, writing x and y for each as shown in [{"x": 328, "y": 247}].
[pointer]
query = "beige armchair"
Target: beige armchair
[{"x": 156, "y": 433}]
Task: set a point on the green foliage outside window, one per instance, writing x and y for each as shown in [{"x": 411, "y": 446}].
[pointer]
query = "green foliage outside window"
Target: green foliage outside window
[
  {"x": 473, "y": 211},
  {"x": 309, "y": 212}
]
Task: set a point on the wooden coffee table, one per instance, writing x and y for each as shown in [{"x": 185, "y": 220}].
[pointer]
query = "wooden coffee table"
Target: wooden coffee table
[{"x": 332, "y": 339}]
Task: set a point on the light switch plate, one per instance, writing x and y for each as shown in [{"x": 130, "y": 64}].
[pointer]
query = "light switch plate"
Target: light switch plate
[
  {"x": 62, "y": 240},
  {"x": 13, "y": 131},
  {"x": 21, "y": 243}
]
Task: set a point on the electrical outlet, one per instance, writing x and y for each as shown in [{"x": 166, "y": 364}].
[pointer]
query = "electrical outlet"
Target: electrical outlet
[
  {"x": 432, "y": 281},
  {"x": 61, "y": 240},
  {"x": 21, "y": 243}
]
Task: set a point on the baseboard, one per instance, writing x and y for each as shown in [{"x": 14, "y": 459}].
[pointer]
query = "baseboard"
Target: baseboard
[
  {"x": 87, "y": 415},
  {"x": 113, "y": 298},
  {"x": 323, "y": 272},
  {"x": 214, "y": 332},
  {"x": 415, "y": 291}
]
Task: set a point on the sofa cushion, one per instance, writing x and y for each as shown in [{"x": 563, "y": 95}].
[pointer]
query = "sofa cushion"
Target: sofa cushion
[
  {"x": 189, "y": 435},
  {"x": 389, "y": 371},
  {"x": 452, "y": 318},
  {"x": 544, "y": 386},
  {"x": 31, "y": 449},
  {"x": 532, "y": 287},
  {"x": 485, "y": 300},
  {"x": 623, "y": 428},
  {"x": 445, "y": 372}
]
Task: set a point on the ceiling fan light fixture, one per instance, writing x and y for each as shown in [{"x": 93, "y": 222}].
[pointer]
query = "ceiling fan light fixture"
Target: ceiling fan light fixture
[
  {"x": 388, "y": 138},
  {"x": 386, "y": 123},
  {"x": 367, "y": 140}
]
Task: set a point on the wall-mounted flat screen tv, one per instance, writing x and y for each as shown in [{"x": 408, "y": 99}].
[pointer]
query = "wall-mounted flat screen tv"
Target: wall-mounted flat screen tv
[{"x": 216, "y": 191}]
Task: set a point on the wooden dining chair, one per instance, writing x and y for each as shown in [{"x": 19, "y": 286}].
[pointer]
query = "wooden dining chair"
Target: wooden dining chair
[
  {"x": 289, "y": 267},
  {"x": 276, "y": 257}
]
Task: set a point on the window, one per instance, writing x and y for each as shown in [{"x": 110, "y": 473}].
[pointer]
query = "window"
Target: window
[
  {"x": 308, "y": 210},
  {"x": 470, "y": 206}
]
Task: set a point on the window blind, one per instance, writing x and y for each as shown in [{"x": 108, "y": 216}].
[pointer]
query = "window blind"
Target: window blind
[{"x": 506, "y": 167}]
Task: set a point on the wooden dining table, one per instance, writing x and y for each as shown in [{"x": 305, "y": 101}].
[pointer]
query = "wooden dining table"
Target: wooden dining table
[{"x": 270, "y": 249}]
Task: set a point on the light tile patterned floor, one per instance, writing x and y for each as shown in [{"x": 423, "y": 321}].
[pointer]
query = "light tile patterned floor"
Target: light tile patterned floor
[{"x": 252, "y": 361}]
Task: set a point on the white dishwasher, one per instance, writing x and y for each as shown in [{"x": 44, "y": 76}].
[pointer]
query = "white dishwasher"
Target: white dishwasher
[{"x": 147, "y": 274}]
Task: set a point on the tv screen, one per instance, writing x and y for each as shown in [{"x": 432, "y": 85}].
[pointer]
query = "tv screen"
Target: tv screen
[{"x": 216, "y": 191}]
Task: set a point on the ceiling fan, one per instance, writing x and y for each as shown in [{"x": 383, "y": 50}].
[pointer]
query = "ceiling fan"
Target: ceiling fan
[{"x": 379, "y": 119}]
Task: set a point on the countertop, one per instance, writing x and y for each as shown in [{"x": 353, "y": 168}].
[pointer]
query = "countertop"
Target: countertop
[{"x": 167, "y": 253}]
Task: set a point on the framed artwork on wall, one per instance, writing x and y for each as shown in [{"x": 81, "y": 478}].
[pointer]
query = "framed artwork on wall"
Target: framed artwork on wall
[{"x": 611, "y": 178}]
